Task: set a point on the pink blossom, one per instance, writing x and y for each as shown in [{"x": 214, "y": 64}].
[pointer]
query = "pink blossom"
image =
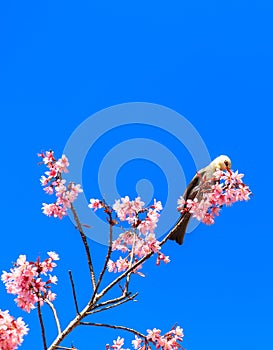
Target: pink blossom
[
  {"x": 53, "y": 279},
  {"x": 95, "y": 204},
  {"x": 44, "y": 180},
  {"x": 62, "y": 164},
  {"x": 66, "y": 194},
  {"x": 122, "y": 264},
  {"x": 162, "y": 257},
  {"x": 137, "y": 342},
  {"x": 11, "y": 331},
  {"x": 154, "y": 334},
  {"x": 118, "y": 344},
  {"x": 60, "y": 187},
  {"x": 124, "y": 239},
  {"x": 126, "y": 209},
  {"x": 130, "y": 210},
  {"x": 140, "y": 240},
  {"x": 168, "y": 341},
  {"x": 49, "y": 189},
  {"x": 53, "y": 255},
  {"x": 50, "y": 296},
  {"x": 150, "y": 222},
  {"x": 229, "y": 188},
  {"x": 53, "y": 209},
  {"x": 111, "y": 266},
  {"x": 25, "y": 281},
  {"x": 157, "y": 206},
  {"x": 48, "y": 158},
  {"x": 178, "y": 331},
  {"x": 137, "y": 204},
  {"x": 181, "y": 203},
  {"x": 244, "y": 193}
]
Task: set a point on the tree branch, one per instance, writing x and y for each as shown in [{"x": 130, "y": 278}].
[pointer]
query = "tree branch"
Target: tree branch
[
  {"x": 55, "y": 315},
  {"x": 74, "y": 292},
  {"x": 108, "y": 255},
  {"x": 111, "y": 301},
  {"x": 131, "y": 330},
  {"x": 86, "y": 246},
  {"x": 42, "y": 325},
  {"x": 114, "y": 304}
]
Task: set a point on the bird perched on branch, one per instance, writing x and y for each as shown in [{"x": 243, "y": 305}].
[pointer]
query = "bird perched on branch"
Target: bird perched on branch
[{"x": 195, "y": 190}]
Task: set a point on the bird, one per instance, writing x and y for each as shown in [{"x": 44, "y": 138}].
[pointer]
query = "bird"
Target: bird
[{"x": 193, "y": 190}]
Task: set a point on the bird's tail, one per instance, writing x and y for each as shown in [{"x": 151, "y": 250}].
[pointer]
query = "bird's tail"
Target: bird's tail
[{"x": 179, "y": 230}]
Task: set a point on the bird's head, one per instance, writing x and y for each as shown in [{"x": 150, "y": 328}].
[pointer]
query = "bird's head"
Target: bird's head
[{"x": 222, "y": 163}]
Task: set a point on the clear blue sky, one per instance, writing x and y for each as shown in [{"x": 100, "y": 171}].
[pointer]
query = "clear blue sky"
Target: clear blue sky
[{"x": 211, "y": 61}]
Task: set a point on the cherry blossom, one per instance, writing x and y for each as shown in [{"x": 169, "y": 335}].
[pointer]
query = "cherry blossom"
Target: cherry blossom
[
  {"x": 53, "y": 183},
  {"x": 25, "y": 281},
  {"x": 139, "y": 240},
  {"x": 95, "y": 204},
  {"x": 118, "y": 344},
  {"x": 168, "y": 341},
  {"x": 228, "y": 189},
  {"x": 11, "y": 331},
  {"x": 137, "y": 342}
]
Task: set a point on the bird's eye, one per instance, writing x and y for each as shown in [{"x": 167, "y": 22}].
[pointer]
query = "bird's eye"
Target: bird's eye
[{"x": 226, "y": 163}]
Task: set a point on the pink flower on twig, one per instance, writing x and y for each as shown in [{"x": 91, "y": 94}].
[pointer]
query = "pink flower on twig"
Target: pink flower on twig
[
  {"x": 11, "y": 331},
  {"x": 25, "y": 280}
]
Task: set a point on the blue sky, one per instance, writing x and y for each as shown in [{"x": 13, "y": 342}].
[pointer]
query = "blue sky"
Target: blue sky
[{"x": 211, "y": 62}]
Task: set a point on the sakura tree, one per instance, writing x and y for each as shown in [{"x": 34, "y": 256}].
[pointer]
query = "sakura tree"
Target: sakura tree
[{"x": 32, "y": 283}]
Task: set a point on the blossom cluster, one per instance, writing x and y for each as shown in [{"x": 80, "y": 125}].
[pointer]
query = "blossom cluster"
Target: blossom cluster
[
  {"x": 25, "y": 281},
  {"x": 226, "y": 188},
  {"x": 140, "y": 239},
  {"x": 53, "y": 183},
  {"x": 168, "y": 341},
  {"x": 11, "y": 331}
]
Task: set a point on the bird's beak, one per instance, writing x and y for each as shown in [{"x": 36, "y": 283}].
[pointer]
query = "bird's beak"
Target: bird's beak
[{"x": 226, "y": 164}]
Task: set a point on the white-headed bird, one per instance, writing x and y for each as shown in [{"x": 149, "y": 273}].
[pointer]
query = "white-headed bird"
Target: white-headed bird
[{"x": 194, "y": 190}]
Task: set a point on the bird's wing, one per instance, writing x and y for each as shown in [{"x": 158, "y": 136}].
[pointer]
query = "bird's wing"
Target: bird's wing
[{"x": 193, "y": 187}]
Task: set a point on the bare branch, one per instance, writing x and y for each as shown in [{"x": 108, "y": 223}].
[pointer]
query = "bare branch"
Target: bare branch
[
  {"x": 86, "y": 246},
  {"x": 131, "y": 330},
  {"x": 114, "y": 304},
  {"x": 42, "y": 325},
  {"x": 74, "y": 291},
  {"x": 108, "y": 255},
  {"x": 164, "y": 240},
  {"x": 110, "y": 301},
  {"x": 55, "y": 315}
]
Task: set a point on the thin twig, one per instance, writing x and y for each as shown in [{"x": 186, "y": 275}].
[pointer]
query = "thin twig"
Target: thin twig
[
  {"x": 111, "y": 301},
  {"x": 55, "y": 315},
  {"x": 86, "y": 246},
  {"x": 42, "y": 325},
  {"x": 164, "y": 240},
  {"x": 74, "y": 291},
  {"x": 131, "y": 330},
  {"x": 108, "y": 255},
  {"x": 113, "y": 305}
]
